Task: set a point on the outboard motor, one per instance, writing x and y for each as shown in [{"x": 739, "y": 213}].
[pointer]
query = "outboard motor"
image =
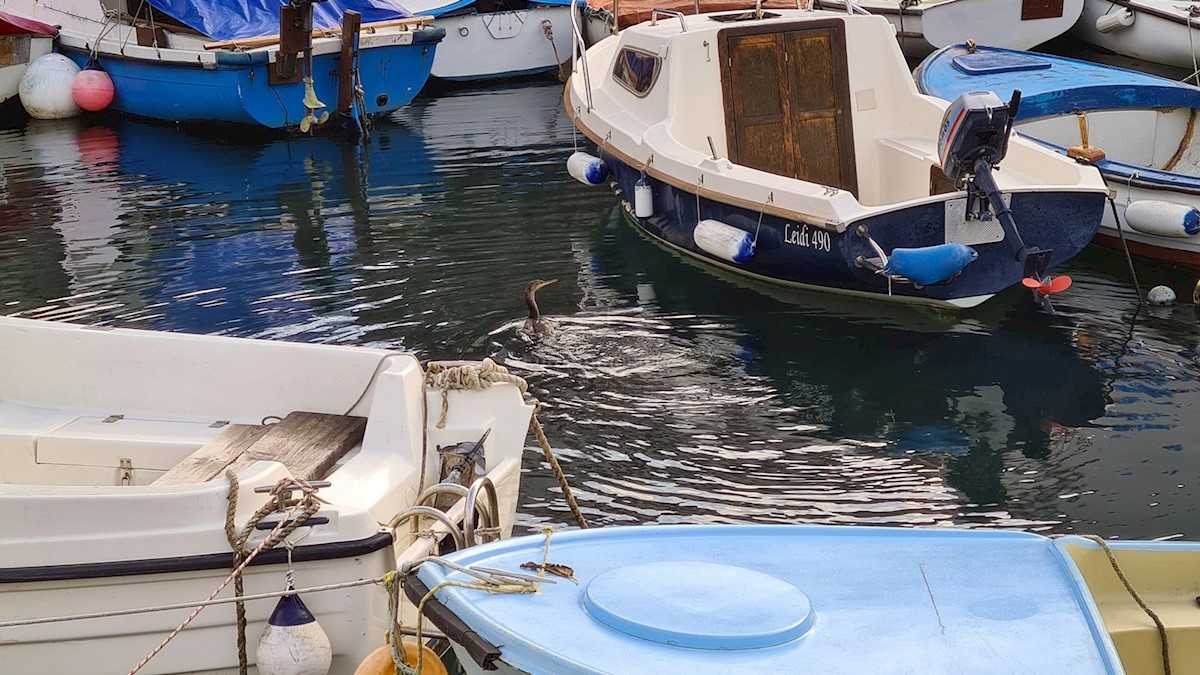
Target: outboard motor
[{"x": 972, "y": 142}]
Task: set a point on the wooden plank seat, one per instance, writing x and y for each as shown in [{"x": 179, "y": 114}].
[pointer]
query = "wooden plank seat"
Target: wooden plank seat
[{"x": 308, "y": 444}]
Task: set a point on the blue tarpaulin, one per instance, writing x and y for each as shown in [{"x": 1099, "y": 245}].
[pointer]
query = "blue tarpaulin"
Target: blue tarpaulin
[{"x": 241, "y": 19}]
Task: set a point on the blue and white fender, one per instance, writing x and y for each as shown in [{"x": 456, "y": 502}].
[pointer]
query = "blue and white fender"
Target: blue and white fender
[
  {"x": 587, "y": 169},
  {"x": 724, "y": 241},
  {"x": 293, "y": 643},
  {"x": 1163, "y": 219}
]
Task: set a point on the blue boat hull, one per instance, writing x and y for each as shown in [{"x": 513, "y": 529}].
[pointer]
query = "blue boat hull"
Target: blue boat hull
[
  {"x": 238, "y": 91},
  {"x": 795, "y": 254}
]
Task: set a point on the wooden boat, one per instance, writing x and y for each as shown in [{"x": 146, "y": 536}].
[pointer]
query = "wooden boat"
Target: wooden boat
[
  {"x": 487, "y": 40},
  {"x": 1137, "y": 129},
  {"x": 187, "y": 61},
  {"x": 837, "y": 175},
  {"x": 1160, "y": 31},
  {"x": 21, "y": 42},
  {"x": 920, "y": 26},
  {"x": 114, "y": 448},
  {"x": 829, "y": 599}
]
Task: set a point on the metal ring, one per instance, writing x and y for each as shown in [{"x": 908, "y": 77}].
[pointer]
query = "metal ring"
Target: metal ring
[
  {"x": 415, "y": 511},
  {"x": 493, "y": 507},
  {"x": 464, "y": 31}
]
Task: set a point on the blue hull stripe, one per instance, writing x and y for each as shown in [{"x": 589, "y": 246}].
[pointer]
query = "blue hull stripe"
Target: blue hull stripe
[{"x": 792, "y": 253}]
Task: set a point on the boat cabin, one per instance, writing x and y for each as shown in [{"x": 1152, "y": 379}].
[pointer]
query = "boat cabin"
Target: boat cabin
[{"x": 757, "y": 103}]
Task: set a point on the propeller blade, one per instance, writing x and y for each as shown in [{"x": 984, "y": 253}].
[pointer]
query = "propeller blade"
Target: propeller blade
[
  {"x": 1059, "y": 284},
  {"x": 1030, "y": 282}
]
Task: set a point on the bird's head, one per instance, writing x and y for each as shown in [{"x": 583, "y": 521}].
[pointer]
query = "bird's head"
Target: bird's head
[{"x": 538, "y": 284}]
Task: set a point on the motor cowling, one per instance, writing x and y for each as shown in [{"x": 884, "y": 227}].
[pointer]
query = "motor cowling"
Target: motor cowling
[{"x": 976, "y": 125}]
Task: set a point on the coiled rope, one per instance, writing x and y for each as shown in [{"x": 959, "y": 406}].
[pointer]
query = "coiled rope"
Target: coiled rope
[{"x": 468, "y": 376}]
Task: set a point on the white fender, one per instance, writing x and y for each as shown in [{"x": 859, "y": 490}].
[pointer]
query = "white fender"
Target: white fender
[
  {"x": 1163, "y": 219},
  {"x": 724, "y": 241},
  {"x": 587, "y": 169},
  {"x": 643, "y": 198},
  {"x": 1116, "y": 20}
]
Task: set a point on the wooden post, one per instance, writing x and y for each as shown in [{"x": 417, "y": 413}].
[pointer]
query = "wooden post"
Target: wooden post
[{"x": 351, "y": 22}]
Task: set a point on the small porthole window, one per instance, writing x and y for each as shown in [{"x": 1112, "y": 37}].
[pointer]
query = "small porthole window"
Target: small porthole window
[{"x": 637, "y": 70}]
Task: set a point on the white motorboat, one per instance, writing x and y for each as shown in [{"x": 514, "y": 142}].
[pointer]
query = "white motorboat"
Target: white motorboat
[
  {"x": 1160, "y": 31},
  {"x": 488, "y": 40},
  {"x": 794, "y": 148},
  {"x": 114, "y": 450}
]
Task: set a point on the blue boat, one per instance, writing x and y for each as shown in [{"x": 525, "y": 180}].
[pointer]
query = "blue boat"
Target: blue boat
[
  {"x": 1137, "y": 129},
  {"x": 221, "y": 61},
  {"x": 811, "y": 599},
  {"x": 837, "y": 177}
]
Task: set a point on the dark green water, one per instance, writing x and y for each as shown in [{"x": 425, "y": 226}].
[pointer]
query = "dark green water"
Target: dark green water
[{"x": 672, "y": 395}]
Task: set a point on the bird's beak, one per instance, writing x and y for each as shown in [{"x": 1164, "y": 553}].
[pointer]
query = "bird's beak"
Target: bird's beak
[{"x": 546, "y": 283}]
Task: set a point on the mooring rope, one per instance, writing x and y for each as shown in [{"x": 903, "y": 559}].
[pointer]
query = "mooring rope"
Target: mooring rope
[
  {"x": 17, "y": 623},
  {"x": 1162, "y": 628},
  {"x": 467, "y": 376},
  {"x": 296, "y": 515}
]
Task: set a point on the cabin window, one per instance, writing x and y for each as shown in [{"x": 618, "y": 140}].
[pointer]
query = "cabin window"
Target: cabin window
[{"x": 637, "y": 70}]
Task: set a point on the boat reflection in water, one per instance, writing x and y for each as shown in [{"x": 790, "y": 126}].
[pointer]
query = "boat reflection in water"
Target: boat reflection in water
[{"x": 808, "y": 407}]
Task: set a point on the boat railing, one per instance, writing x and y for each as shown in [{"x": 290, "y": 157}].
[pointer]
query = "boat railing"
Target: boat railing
[
  {"x": 578, "y": 51},
  {"x": 655, "y": 13}
]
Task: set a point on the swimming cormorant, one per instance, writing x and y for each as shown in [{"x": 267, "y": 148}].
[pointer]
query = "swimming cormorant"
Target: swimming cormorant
[{"x": 534, "y": 323}]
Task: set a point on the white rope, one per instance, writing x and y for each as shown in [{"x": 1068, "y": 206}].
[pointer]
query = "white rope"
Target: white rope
[{"x": 188, "y": 605}]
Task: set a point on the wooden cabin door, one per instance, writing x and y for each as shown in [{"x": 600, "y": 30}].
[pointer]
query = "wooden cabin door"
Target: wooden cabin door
[{"x": 787, "y": 102}]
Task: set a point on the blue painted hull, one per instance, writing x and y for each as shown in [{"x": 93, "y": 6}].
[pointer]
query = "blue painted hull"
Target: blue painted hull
[
  {"x": 794, "y": 254},
  {"x": 237, "y": 90}
]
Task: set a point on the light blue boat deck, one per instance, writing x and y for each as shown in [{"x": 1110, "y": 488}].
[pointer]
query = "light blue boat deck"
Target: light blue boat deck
[
  {"x": 1056, "y": 85},
  {"x": 787, "y": 599}
]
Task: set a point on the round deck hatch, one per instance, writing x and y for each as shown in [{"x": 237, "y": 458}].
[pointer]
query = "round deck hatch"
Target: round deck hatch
[{"x": 699, "y": 605}]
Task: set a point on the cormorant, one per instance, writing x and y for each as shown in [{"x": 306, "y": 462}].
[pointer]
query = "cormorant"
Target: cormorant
[{"x": 534, "y": 322}]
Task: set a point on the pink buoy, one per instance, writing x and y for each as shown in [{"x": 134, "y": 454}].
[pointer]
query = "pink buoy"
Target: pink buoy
[{"x": 92, "y": 90}]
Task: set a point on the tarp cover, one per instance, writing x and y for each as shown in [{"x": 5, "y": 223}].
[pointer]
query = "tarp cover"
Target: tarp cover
[{"x": 240, "y": 19}]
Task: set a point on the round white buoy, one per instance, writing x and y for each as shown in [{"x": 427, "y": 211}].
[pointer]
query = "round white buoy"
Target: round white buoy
[
  {"x": 293, "y": 643},
  {"x": 1160, "y": 295},
  {"x": 45, "y": 88},
  {"x": 643, "y": 198}
]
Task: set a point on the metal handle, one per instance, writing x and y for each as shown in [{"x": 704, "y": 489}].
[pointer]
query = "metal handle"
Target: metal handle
[{"x": 654, "y": 13}]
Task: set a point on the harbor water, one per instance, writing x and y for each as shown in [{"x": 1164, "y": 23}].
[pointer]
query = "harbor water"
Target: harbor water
[{"x": 671, "y": 394}]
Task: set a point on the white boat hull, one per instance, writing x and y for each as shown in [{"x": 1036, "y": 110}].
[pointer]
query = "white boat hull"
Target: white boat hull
[
  {"x": 499, "y": 45},
  {"x": 16, "y": 57},
  {"x": 90, "y": 422},
  {"x": 996, "y": 23},
  {"x": 1152, "y": 37}
]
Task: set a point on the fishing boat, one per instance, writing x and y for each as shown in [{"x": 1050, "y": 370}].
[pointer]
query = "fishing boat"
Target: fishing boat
[
  {"x": 1159, "y": 31},
  {"x": 130, "y": 459},
  {"x": 260, "y": 64},
  {"x": 21, "y": 42},
  {"x": 754, "y": 142},
  {"x": 920, "y": 25},
  {"x": 813, "y": 598},
  {"x": 493, "y": 40},
  {"x": 1137, "y": 129}
]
